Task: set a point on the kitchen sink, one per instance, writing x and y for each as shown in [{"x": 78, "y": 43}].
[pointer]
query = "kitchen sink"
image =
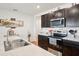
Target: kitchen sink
[{"x": 14, "y": 44}]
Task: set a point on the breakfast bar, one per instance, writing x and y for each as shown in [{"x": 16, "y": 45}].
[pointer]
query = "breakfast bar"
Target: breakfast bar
[{"x": 29, "y": 50}]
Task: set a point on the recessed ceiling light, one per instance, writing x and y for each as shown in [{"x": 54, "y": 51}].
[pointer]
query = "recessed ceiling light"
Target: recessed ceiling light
[
  {"x": 15, "y": 10},
  {"x": 38, "y": 6}
]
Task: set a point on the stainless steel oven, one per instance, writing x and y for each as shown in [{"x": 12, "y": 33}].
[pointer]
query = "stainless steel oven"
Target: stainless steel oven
[
  {"x": 53, "y": 41},
  {"x": 56, "y": 36}
]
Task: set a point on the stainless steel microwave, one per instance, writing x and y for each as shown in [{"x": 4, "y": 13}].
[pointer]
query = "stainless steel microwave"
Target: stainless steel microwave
[{"x": 58, "y": 22}]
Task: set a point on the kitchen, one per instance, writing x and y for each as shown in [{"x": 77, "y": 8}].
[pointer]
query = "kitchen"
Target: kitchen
[
  {"x": 50, "y": 31},
  {"x": 60, "y": 30}
]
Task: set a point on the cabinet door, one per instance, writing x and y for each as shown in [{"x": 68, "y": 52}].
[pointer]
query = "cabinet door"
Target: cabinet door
[
  {"x": 70, "y": 51},
  {"x": 45, "y": 20},
  {"x": 43, "y": 42},
  {"x": 73, "y": 11},
  {"x": 43, "y": 39},
  {"x": 59, "y": 13},
  {"x": 72, "y": 18},
  {"x": 66, "y": 51}
]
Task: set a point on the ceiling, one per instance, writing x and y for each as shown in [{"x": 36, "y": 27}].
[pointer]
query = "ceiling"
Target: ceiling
[{"x": 29, "y": 8}]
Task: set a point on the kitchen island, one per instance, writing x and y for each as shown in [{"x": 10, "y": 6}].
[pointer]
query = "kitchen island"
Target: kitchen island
[{"x": 29, "y": 50}]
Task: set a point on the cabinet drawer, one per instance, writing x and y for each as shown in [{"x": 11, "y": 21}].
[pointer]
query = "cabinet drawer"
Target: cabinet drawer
[
  {"x": 44, "y": 47},
  {"x": 42, "y": 44}
]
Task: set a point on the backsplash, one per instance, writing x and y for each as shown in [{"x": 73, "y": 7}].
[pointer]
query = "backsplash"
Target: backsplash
[{"x": 45, "y": 31}]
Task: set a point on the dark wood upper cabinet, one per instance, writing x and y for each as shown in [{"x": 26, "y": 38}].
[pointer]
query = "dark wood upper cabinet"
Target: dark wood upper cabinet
[
  {"x": 59, "y": 13},
  {"x": 73, "y": 12},
  {"x": 43, "y": 41},
  {"x": 45, "y": 19},
  {"x": 70, "y": 14}
]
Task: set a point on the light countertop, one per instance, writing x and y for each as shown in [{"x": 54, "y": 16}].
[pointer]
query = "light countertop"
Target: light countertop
[
  {"x": 29, "y": 50},
  {"x": 76, "y": 39}
]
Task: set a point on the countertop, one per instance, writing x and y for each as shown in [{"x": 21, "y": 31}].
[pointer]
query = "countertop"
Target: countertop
[
  {"x": 70, "y": 38},
  {"x": 29, "y": 50},
  {"x": 76, "y": 39},
  {"x": 44, "y": 34},
  {"x": 70, "y": 41}
]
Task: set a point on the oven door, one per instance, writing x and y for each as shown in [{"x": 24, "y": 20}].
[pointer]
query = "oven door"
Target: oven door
[{"x": 52, "y": 41}]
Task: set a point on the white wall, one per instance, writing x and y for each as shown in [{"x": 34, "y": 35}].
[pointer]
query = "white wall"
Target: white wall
[
  {"x": 37, "y": 26},
  {"x": 22, "y": 31}
]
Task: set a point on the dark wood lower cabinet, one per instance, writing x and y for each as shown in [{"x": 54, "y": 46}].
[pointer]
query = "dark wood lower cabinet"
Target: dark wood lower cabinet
[
  {"x": 66, "y": 47},
  {"x": 43, "y": 41},
  {"x": 66, "y": 51},
  {"x": 70, "y": 51},
  {"x": 69, "y": 48}
]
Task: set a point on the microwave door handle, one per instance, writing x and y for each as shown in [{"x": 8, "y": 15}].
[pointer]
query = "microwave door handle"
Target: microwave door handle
[{"x": 60, "y": 21}]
